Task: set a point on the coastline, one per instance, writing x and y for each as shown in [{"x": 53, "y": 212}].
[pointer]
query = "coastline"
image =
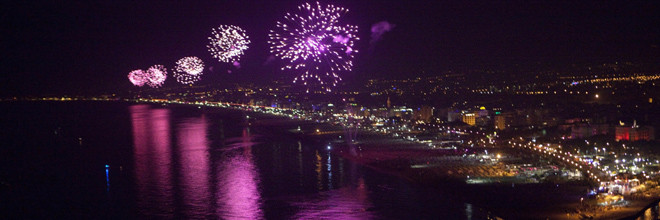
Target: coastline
[
  {"x": 392, "y": 163},
  {"x": 650, "y": 203}
]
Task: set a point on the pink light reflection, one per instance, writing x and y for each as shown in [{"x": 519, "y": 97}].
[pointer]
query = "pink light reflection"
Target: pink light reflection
[
  {"x": 194, "y": 170},
  {"x": 151, "y": 139},
  {"x": 238, "y": 195}
]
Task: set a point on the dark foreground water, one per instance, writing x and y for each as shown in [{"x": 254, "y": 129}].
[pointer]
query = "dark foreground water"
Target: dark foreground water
[{"x": 121, "y": 160}]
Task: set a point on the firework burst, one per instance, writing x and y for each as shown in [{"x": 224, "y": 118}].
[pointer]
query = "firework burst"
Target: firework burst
[
  {"x": 156, "y": 75},
  {"x": 137, "y": 77},
  {"x": 227, "y": 43},
  {"x": 188, "y": 70},
  {"x": 314, "y": 44}
]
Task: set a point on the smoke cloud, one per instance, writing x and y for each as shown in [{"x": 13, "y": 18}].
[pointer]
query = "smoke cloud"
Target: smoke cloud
[
  {"x": 269, "y": 60},
  {"x": 377, "y": 31}
]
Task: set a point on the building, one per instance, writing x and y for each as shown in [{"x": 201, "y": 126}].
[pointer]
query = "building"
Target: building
[
  {"x": 635, "y": 133},
  {"x": 453, "y": 115},
  {"x": 581, "y": 130},
  {"x": 425, "y": 113},
  {"x": 402, "y": 112},
  {"x": 502, "y": 120},
  {"x": 469, "y": 118}
]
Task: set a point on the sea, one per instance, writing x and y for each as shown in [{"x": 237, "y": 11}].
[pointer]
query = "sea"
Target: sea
[{"x": 123, "y": 160}]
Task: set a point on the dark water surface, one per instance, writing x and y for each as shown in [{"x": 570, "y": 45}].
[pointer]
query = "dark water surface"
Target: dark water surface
[{"x": 122, "y": 160}]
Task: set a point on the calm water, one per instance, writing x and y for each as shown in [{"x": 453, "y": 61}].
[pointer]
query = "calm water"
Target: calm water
[{"x": 121, "y": 160}]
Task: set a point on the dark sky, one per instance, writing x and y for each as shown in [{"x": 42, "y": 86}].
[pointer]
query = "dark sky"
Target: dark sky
[{"x": 85, "y": 46}]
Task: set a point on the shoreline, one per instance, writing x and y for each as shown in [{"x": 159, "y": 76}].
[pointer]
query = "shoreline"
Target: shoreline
[
  {"x": 388, "y": 165},
  {"x": 650, "y": 204},
  {"x": 382, "y": 163}
]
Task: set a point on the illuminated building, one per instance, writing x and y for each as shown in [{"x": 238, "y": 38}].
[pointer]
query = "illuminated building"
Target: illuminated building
[
  {"x": 469, "y": 118},
  {"x": 634, "y": 133},
  {"x": 401, "y": 112}
]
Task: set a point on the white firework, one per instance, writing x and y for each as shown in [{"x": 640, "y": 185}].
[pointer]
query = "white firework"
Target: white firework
[
  {"x": 156, "y": 75},
  {"x": 315, "y": 44},
  {"x": 227, "y": 43},
  {"x": 188, "y": 70}
]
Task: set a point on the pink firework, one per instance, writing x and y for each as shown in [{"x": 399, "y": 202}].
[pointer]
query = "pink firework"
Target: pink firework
[
  {"x": 315, "y": 44},
  {"x": 156, "y": 75},
  {"x": 137, "y": 77}
]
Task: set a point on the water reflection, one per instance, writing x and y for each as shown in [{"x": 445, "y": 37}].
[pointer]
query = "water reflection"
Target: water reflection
[
  {"x": 197, "y": 168},
  {"x": 238, "y": 195},
  {"x": 151, "y": 139},
  {"x": 650, "y": 213},
  {"x": 194, "y": 166},
  {"x": 468, "y": 211},
  {"x": 190, "y": 163},
  {"x": 181, "y": 180},
  {"x": 329, "y": 165},
  {"x": 300, "y": 164},
  {"x": 349, "y": 202},
  {"x": 319, "y": 175}
]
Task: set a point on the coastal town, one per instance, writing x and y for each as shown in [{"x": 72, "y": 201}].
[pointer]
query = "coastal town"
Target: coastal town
[{"x": 573, "y": 132}]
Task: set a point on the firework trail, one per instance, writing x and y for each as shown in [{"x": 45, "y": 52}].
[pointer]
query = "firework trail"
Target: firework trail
[
  {"x": 227, "y": 43},
  {"x": 314, "y": 44}
]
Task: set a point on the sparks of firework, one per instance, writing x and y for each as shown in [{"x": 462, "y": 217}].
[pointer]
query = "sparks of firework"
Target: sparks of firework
[
  {"x": 314, "y": 44},
  {"x": 227, "y": 43},
  {"x": 156, "y": 76},
  {"x": 188, "y": 70},
  {"x": 185, "y": 78},
  {"x": 190, "y": 65},
  {"x": 137, "y": 77}
]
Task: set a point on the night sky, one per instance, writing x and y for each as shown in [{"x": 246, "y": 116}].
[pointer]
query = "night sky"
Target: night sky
[{"x": 72, "y": 47}]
